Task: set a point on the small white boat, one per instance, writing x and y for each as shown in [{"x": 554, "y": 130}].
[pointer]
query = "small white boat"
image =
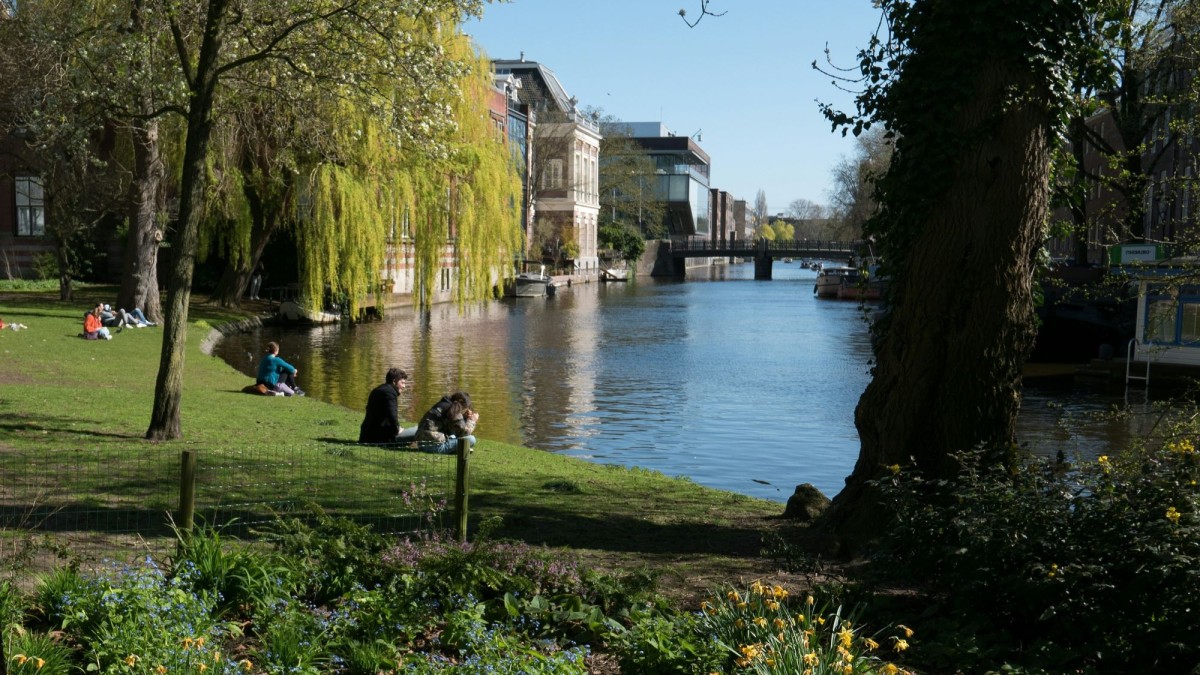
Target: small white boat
[
  {"x": 292, "y": 311},
  {"x": 829, "y": 279},
  {"x": 530, "y": 284},
  {"x": 612, "y": 274}
]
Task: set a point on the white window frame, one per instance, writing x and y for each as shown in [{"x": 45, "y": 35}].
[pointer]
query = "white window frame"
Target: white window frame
[{"x": 30, "y": 199}]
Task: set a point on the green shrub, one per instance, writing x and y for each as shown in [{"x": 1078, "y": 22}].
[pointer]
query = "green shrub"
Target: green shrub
[
  {"x": 292, "y": 639},
  {"x": 144, "y": 617},
  {"x": 240, "y": 578},
  {"x": 30, "y": 653},
  {"x": 337, "y": 554},
  {"x": 667, "y": 643},
  {"x": 1094, "y": 567}
]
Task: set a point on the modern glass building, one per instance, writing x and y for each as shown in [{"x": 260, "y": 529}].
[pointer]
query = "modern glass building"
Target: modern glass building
[{"x": 683, "y": 172}]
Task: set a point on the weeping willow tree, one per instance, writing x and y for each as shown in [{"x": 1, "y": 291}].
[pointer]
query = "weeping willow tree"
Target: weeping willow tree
[
  {"x": 472, "y": 200},
  {"x": 346, "y": 184}
]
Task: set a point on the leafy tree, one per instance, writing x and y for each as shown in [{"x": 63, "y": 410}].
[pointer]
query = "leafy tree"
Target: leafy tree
[
  {"x": 342, "y": 47},
  {"x": 765, "y": 231},
  {"x": 61, "y": 128},
  {"x": 623, "y": 238},
  {"x": 628, "y": 182},
  {"x": 972, "y": 93},
  {"x": 784, "y": 230},
  {"x": 1128, "y": 81}
]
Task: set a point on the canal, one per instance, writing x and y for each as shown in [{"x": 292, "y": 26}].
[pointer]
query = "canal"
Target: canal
[{"x": 736, "y": 383}]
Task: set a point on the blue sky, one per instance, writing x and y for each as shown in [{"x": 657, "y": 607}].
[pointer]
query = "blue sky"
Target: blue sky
[{"x": 744, "y": 80}]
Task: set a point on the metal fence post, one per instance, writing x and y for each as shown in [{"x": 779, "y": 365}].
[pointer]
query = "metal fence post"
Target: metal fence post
[
  {"x": 461, "y": 483},
  {"x": 187, "y": 491}
]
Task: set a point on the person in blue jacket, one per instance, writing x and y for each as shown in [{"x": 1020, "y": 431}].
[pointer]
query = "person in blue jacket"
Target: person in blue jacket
[{"x": 276, "y": 374}]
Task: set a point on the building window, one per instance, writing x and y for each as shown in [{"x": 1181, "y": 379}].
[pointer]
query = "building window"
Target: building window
[
  {"x": 31, "y": 207},
  {"x": 552, "y": 178}
]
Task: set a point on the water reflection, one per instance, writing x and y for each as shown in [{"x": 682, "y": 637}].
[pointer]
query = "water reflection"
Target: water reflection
[{"x": 740, "y": 384}]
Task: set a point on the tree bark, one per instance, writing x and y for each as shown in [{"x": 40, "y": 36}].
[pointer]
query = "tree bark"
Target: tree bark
[
  {"x": 236, "y": 277},
  {"x": 948, "y": 369},
  {"x": 139, "y": 283},
  {"x": 168, "y": 389}
]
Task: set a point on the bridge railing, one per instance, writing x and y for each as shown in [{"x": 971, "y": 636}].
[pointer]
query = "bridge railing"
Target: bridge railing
[{"x": 806, "y": 245}]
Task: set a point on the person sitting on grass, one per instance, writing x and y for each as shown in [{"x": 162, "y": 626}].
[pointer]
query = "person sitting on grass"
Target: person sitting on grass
[
  {"x": 119, "y": 318},
  {"x": 93, "y": 327},
  {"x": 382, "y": 423},
  {"x": 446, "y": 422},
  {"x": 276, "y": 374}
]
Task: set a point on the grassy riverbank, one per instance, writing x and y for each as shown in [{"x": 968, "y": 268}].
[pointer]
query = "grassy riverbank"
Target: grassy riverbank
[{"x": 59, "y": 392}]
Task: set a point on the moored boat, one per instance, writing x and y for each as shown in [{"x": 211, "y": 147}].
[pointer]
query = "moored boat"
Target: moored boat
[
  {"x": 829, "y": 280},
  {"x": 612, "y": 274},
  {"x": 530, "y": 284},
  {"x": 295, "y": 312}
]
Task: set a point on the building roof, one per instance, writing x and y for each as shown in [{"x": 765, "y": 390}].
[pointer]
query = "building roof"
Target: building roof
[{"x": 546, "y": 92}]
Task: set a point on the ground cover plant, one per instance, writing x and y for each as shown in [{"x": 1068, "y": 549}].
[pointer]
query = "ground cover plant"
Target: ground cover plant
[{"x": 1086, "y": 566}]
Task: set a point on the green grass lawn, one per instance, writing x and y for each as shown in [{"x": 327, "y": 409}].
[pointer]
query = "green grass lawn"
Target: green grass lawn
[{"x": 62, "y": 397}]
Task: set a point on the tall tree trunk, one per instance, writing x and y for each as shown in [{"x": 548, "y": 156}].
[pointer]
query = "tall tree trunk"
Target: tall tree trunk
[
  {"x": 139, "y": 283},
  {"x": 168, "y": 388},
  {"x": 948, "y": 369},
  {"x": 236, "y": 277}
]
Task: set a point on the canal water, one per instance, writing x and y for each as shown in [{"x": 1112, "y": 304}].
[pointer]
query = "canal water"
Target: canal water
[{"x": 736, "y": 383}]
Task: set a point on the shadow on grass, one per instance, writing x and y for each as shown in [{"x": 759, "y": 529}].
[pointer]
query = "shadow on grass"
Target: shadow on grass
[
  {"x": 622, "y": 533},
  {"x": 72, "y": 426}
]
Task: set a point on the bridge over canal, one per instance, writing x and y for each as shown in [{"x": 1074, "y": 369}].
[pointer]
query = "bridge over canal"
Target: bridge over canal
[{"x": 763, "y": 251}]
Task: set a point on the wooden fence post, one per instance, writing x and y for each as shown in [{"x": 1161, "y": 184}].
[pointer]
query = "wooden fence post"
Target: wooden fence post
[
  {"x": 187, "y": 491},
  {"x": 461, "y": 483}
]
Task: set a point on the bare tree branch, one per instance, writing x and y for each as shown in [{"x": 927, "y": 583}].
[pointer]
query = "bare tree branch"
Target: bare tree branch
[{"x": 704, "y": 10}]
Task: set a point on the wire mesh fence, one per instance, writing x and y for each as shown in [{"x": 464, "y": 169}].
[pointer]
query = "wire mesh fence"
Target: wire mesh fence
[{"x": 97, "y": 504}]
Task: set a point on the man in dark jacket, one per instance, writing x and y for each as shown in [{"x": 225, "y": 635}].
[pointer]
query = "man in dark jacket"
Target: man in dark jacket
[{"x": 382, "y": 424}]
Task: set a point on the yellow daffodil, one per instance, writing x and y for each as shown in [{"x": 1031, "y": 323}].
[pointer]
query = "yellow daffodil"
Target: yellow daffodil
[
  {"x": 870, "y": 644},
  {"x": 779, "y": 623},
  {"x": 1173, "y": 515},
  {"x": 20, "y": 659},
  {"x": 740, "y": 623},
  {"x": 742, "y": 605},
  {"x": 845, "y": 638},
  {"x": 908, "y": 632},
  {"x": 39, "y": 662},
  {"x": 901, "y": 645},
  {"x": 811, "y": 601},
  {"x": 779, "y": 592},
  {"x": 820, "y": 621},
  {"x": 811, "y": 659},
  {"x": 760, "y": 622},
  {"x": 889, "y": 669},
  {"x": 799, "y": 618},
  {"x": 773, "y": 606},
  {"x": 161, "y": 669},
  {"x": 200, "y": 641},
  {"x": 246, "y": 665},
  {"x": 750, "y": 651},
  {"x": 131, "y": 659},
  {"x": 187, "y": 643},
  {"x": 203, "y": 667},
  {"x": 733, "y": 595}
]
